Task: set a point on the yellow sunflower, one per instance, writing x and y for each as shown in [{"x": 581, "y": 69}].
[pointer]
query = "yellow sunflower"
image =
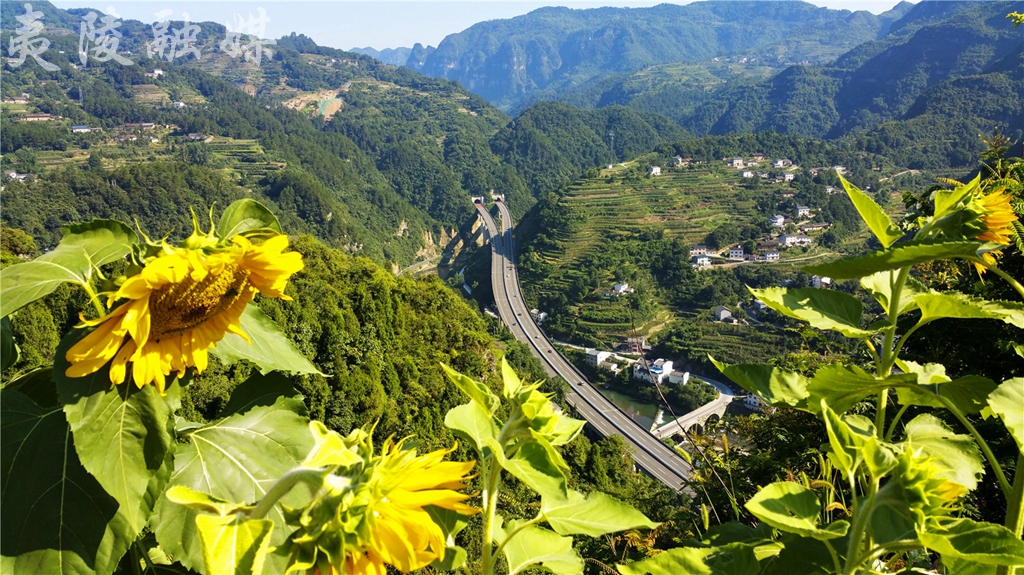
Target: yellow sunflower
[
  {"x": 181, "y": 304},
  {"x": 997, "y": 217},
  {"x": 400, "y": 531}
]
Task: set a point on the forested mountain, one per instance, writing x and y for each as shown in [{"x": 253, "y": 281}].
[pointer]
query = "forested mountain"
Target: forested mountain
[
  {"x": 393, "y": 56},
  {"x": 556, "y": 48}
]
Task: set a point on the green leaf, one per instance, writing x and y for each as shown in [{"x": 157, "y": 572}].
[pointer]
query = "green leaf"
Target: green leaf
[
  {"x": 793, "y": 508},
  {"x": 204, "y": 501},
  {"x": 904, "y": 254},
  {"x": 1006, "y": 402},
  {"x": 83, "y": 247},
  {"x": 234, "y": 545},
  {"x": 732, "y": 559},
  {"x": 968, "y": 394},
  {"x": 236, "y": 459},
  {"x": 56, "y": 517},
  {"x": 533, "y": 465},
  {"x": 946, "y": 200},
  {"x": 803, "y": 556},
  {"x": 846, "y": 443},
  {"x": 844, "y": 387},
  {"x": 879, "y": 285},
  {"x": 454, "y": 558},
  {"x": 821, "y": 308},
  {"x": 538, "y": 546},
  {"x": 258, "y": 390},
  {"x": 478, "y": 392},
  {"x": 510, "y": 381},
  {"x": 123, "y": 434},
  {"x": 984, "y": 543},
  {"x": 38, "y": 386},
  {"x": 775, "y": 386},
  {"x": 245, "y": 216},
  {"x": 873, "y": 215},
  {"x": 962, "y": 306},
  {"x": 473, "y": 423},
  {"x": 271, "y": 350},
  {"x": 8, "y": 349},
  {"x": 957, "y": 455},
  {"x": 594, "y": 515}
]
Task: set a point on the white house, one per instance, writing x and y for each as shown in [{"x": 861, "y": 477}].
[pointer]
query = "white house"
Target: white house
[
  {"x": 701, "y": 261},
  {"x": 680, "y": 377},
  {"x": 612, "y": 367},
  {"x": 821, "y": 282},
  {"x": 698, "y": 250},
  {"x": 722, "y": 313},
  {"x": 179, "y": 105},
  {"x": 830, "y": 190},
  {"x": 652, "y": 372},
  {"x": 538, "y": 316},
  {"x": 781, "y": 163},
  {"x": 678, "y": 161},
  {"x": 790, "y": 240},
  {"x": 748, "y": 174},
  {"x": 80, "y": 129},
  {"x": 803, "y": 211},
  {"x": 736, "y": 252},
  {"x": 736, "y": 162},
  {"x": 13, "y": 175},
  {"x": 771, "y": 256},
  {"x": 622, "y": 288},
  {"x": 654, "y": 170},
  {"x": 839, "y": 169},
  {"x": 759, "y": 305},
  {"x": 778, "y": 221},
  {"x": 595, "y": 357},
  {"x": 754, "y": 402},
  {"x": 788, "y": 176}
]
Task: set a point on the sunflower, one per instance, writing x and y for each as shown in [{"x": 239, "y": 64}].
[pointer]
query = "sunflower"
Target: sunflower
[
  {"x": 181, "y": 304},
  {"x": 401, "y": 532},
  {"x": 996, "y": 216}
]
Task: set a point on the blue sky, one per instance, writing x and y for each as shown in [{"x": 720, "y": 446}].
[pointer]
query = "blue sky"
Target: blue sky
[{"x": 346, "y": 24}]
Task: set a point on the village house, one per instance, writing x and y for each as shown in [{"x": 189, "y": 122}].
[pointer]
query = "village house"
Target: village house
[
  {"x": 778, "y": 221},
  {"x": 771, "y": 256},
  {"x": 179, "y": 105},
  {"x": 830, "y": 190},
  {"x": 139, "y": 126},
  {"x": 654, "y": 170},
  {"x": 790, "y": 240},
  {"x": 722, "y": 313},
  {"x": 759, "y": 305},
  {"x": 126, "y": 138},
  {"x": 821, "y": 282},
  {"x": 788, "y": 177},
  {"x": 538, "y": 316},
  {"x": 680, "y": 162},
  {"x": 196, "y": 137},
  {"x": 755, "y": 403},
  {"x": 748, "y": 174},
  {"x": 698, "y": 250},
  {"x": 781, "y": 163},
  {"x": 787, "y": 194},
  {"x": 156, "y": 73},
  {"x": 652, "y": 372},
  {"x": 622, "y": 288},
  {"x": 814, "y": 227},
  {"x": 80, "y": 129},
  {"x": 13, "y": 175},
  {"x": 758, "y": 157},
  {"x": 755, "y": 257},
  {"x": 803, "y": 211},
  {"x": 839, "y": 169},
  {"x": 701, "y": 261},
  {"x": 38, "y": 118},
  {"x": 594, "y": 356},
  {"x": 610, "y": 366},
  {"x": 736, "y": 252},
  {"x": 736, "y": 162},
  {"x": 680, "y": 377},
  {"x": 16, "y": 101},
  {"x": 635, "y": 345}
]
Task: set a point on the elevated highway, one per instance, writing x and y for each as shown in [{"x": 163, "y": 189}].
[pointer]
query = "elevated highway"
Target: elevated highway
[{"x": 650, "y": 454}]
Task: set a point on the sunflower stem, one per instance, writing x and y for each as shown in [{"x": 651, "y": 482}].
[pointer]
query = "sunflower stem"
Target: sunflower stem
[
  {"x": 1009, "y": 279},
  {"x": 985, "y": 449},
  {"x": 314, "y": 477},
  {"x": 490, "y": 500},
  {"x": 94, "y": 298}
]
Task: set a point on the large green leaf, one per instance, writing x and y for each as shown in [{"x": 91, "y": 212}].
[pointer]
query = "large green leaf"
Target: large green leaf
[
  {"x": 821, "y": 308},
  {"x": 873, "y": 215},
  {"x": 594, "y": 515},
  {"x": 880, "y": 285},
  {"x": 235, "y": 459},
  {"x": 843, "y": 387},
  {"x": 904, "y": 254},
  {"x": 1006, "y": 402},
  {"x": 793, "y": 508},
  {"x": 803, "y": 556},
  {"x": 853, "y": 442},
  {"x": 38, "y": 385},
  {"x": 510, "y": 381},
  {"x": 8, "y": 349},
  {"x": 477, "y": 391},
  {"x": 56, "y": 517},
  {"x": 245, "y": 216},
  {"x": 985, "y": 543},
  {"x": 732, "y": 559},
  {"x": 259, "y": 389},
  {"x": 533, "y": 465},
  {"x": 234, "y": 545},
  {"x": 83, "y": 247},
  {"x": 962, "y": 306},
  {"x": 968, "y": 394},
  {"x": 957, "y": 455},
  {"x": 123, "y": 435},
  {"x": 774, "y": 385},
  {"x": 473, "y": 423},
  {"x": 536, "y": 546},
  {"x": 271, "y": 350}
]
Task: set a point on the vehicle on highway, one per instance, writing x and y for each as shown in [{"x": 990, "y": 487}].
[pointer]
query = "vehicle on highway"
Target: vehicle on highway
[{"x": 549, "y": 351}]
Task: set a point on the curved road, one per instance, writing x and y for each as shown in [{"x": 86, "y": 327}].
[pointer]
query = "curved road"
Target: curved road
[{"x": 653, "y": 456}]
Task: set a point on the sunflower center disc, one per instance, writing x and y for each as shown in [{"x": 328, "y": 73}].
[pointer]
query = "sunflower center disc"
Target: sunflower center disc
[{"x": 181, "y": 306}]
